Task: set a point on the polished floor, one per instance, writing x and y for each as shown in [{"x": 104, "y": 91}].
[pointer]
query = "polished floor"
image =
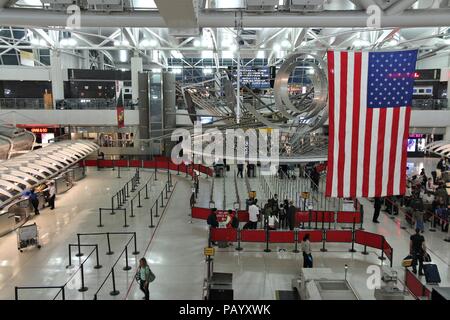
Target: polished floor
[{"x": 174, "y": 247}]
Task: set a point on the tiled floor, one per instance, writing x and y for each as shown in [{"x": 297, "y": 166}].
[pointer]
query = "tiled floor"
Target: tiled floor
[{"x": 175, "y": 248}]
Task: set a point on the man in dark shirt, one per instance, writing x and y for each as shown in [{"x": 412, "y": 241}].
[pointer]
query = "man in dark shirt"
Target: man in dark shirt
[
  {"x": 212, "y": 219},
  {"x": 377, "y": 208},
  {"x": 417, "y": 249},
  {"x": 291, "y": 215}
]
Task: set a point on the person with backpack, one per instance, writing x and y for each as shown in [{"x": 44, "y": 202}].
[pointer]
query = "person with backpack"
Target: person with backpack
[
  {"x": 306, "y": 250},
  {"x": 417, "y": 250},
  {"x": 145, "y": 276}
]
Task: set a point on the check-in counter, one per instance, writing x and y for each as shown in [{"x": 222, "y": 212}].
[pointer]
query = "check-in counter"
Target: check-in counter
[
  {"x": 17, "y": 213},
  {"x": 79, "y": 173},
  {"x": 64, "y": 181}
]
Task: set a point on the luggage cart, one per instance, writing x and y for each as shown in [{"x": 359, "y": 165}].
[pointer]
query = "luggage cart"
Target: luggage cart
[{"x": 27, "y": 235}]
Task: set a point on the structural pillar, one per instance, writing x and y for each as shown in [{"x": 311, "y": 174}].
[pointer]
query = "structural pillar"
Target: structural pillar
[
  {"x": 136, "y": 67},
  {"x": 56, "y": 73},
  {"x": 85, "y": 61}
]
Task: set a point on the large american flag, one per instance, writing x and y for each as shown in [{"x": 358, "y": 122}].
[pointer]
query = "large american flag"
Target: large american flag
[{"x": 370, "y": 96}]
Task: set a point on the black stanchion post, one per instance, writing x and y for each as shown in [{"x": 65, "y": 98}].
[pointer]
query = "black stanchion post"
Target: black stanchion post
[
  {"x": 112, "y": 205},
  {"x": 156, "y": 207},
  {"x": 135, "y": 252},
  {"x": 131, "y": 209},
  {"x": 79, "y": 254},
  {"x": 165, "y": 188},
  {"x": 162, "y": 199},
  {"x": 310, "y": 218},
  {"x": 361, "y": 210},
  {"x": 383, "y": 241},
  {"x": 127, "y": 190},
  {"x": 151, "y": 218},
  {"x": 125, "y": 218},
  {"x": 100, "y": 218},
  {"x": 365, "y": 250},
  {"x": 97, "y": 266},
  {"x": 156, "y": 178},
  {"x": 139, "y": 199},
  {"x": 114, "y": 291},
  {"x": 353, "y": 237},
  {"x": 118, "y": 171},
  {"x": 83, "y": 287},
  {"x": 267, "y": 240},
  {"x": 70, "y": 256},
  {"x": 324, "y": 239},
  {"x": 323, "y": 220},
  {"x": 109, "y": 245},
  {"x": 127, "y": 267},
  {"x": 238, "y": 248},
  {"x": 146, "y": 191},
  {"x": 296, "y": 241},
  {"x": 63, "y": 293}
]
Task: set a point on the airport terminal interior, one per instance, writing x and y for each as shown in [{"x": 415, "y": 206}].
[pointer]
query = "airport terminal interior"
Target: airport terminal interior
[{"x": 224, "y": 150}]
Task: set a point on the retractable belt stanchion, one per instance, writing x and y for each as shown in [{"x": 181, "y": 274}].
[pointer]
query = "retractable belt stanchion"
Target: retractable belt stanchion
[
  {"x": 162, "y": 199},
  {"x": 118, "y": 172},
  {"x": 83, "y": 288},
  {"x": 151, "y": 218},
  {"x": 125, "y": 219},
  {"x": 146, "y": 191},
  {"x": 361, "y": 211},
  {"x": 323, "y": 249},
  {"x": 267, "y": 240},
  {"x": 114, "y": 291},
  {"x": 156, "y": 207},
  {"x": 131, "y": 209},
  {"x": 156, "y": 178},
  {"x": 238, "y": 248},
  {"x": 296, "y": 241},
  {"x": 98, "y": 265},
  {"x": 383, "y": 241},
  {"x": 127, "y": 266},
  {"x": 109, "y": 245},
  {"x": 353, "y": 237},
  {"x": 79, "y": 254},
  {"x": 100, "y": 218},
  {"x": 135, "y": 252},
  {"x": 112, "y": 205}
]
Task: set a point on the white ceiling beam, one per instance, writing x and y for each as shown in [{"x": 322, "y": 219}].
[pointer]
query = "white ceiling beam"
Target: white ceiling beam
[{"x": 399, "y": 6}]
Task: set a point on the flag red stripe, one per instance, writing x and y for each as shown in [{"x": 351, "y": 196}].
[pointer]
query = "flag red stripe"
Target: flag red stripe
[
  {"x": 355, "y": 128},
  {"x": 393, "y": 151},
  {"x": 405, "y": 144},
  {"x": 342, "y": 120},
  {"x": 380, "y": 152},
  {"x": 367, "y": 144},
  {"x": 329, "y": 185}
]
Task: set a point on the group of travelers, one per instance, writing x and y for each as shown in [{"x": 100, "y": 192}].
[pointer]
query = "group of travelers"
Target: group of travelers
[
  {"x": 274, "y": 215},
  {"x": 49, "y": 196}
]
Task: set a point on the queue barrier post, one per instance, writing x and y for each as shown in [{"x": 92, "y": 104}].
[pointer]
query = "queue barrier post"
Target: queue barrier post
[
  {"x": 310, "y": 218},
  {"x": 156, "y": 178},
  {"x": 156, "y": 207},
  {"x": 118, "y": 172},
  {"x": 323, "y": 220},
  {"x": 127, "y": 266},
  {"x": 239, "y": 248},
  {"x": 135, "y": 252},
  {"x": 139, "y": 199},
  {"x": 296, "y": 241},
  {"x": 162, "y": 199},
  {"x": 353, "y": 237},
  {"x": 112, "y": 205},
  {"x": 70, "y": 256},
  {"x": 98, "y": 265},
  {"x": 132, "y": 210},
  {"x": 166, "y": 191},
  {"x": 109, "y": 245},
  {"x": 361, "y": 212},
  {"x": 146, "y": 191},
  {"x": 83, "y": 288},
  {"x": 383, "y": 240},
  {"x": 324, "y": 239},
  {"x": 267, "y": 240},
  {"x": 63, "y": 293},
  {"x": 365, "y": 251},
  {"x": 125, "y": 217},
  {"x": 79, "y": 254},
  {"x": 100, "y": 218},
  {"x": 114, "y": 291},
  {"x": 151, "y": 219}
]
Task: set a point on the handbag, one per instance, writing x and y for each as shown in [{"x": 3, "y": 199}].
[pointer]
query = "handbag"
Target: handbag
[
  {"x": 152, "y": 276},
  {"x": 407, "y": 261},
  {"x": 137, "y": 276},
  {"x": 426, "y": 257}
]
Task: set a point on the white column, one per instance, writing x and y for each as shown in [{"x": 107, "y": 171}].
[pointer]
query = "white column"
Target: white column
[
  {"x": 136, "y": 67},
  {"x": 447, "y": 134},
  {"x": 56, "y": 75},
  {"x": 85, "y": 60}
]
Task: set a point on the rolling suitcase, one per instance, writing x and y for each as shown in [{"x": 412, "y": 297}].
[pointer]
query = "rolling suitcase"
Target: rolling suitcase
[{"x": 431, "y": 273}]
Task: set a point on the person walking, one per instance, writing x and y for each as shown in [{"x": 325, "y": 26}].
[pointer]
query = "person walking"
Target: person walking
[
  {"x": 34, "y": 201},
  {"x": 253, "y": 212},
  {"x": 145, "y": 276},
  {"x": 306, "y": 250},
  {"x": 417, "y": 250},
  {"x": 52, "y": 195},
  {"x": 291, "y": 215},
  {"x": 240, "y": 167},
  {"x": 377, "y": 208}
]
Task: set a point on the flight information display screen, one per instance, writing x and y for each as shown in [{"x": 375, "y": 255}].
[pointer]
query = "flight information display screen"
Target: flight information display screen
[{"x": 256, "y": 77}]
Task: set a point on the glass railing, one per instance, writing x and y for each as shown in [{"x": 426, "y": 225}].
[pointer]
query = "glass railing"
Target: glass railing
[
  {"x": 430, "y": 104},
  {"x": 21, "y": 103},
  {"x": 92, "y": 104}
]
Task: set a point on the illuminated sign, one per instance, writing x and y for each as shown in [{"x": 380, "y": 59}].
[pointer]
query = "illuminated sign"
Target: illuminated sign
[{"x": 39, "y": 130}]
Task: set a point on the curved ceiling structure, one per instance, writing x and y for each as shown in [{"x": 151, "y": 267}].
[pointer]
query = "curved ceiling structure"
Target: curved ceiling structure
[
  {"x": 35, "y": 167},
  {"x": 441, "y": 148}
]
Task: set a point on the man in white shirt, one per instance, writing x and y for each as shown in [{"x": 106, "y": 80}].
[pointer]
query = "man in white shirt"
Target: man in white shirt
[
  {"x": 52, "y": 195},
  {"x": 253, "y": 212}
]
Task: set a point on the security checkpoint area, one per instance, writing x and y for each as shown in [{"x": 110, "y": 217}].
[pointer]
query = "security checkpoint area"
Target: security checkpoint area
[{"x": 226, "y": 158}]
